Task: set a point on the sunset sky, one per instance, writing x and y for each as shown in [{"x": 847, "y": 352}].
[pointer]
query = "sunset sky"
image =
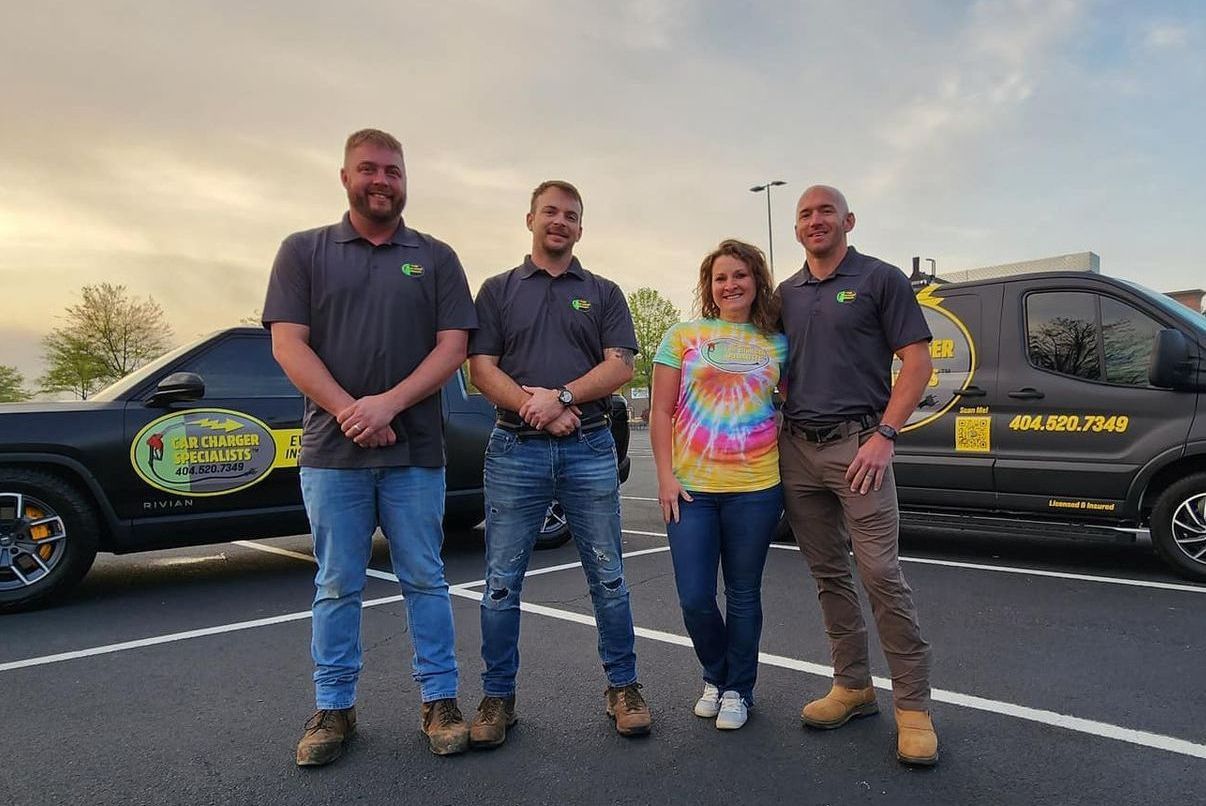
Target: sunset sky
[{"x": 170, "y": 146}]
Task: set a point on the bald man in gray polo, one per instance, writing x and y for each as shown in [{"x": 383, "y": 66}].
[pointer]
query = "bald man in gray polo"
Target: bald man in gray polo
[{"x": 846, "y": 315}]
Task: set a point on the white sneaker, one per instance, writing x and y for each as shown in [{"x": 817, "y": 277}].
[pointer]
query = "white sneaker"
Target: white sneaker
[
  {"x": 733, "y": 711},
  {"x": 708, "y": 704}
]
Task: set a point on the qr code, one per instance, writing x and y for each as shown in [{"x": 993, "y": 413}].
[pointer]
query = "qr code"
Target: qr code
[{"x": 972, "y": 434}]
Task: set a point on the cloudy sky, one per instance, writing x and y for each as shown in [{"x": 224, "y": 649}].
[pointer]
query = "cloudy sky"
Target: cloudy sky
[{"x": 169, "y": 146}]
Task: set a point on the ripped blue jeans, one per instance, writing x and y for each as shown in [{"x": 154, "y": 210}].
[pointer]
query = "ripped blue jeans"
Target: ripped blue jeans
[{"x": 523, "y": 475}]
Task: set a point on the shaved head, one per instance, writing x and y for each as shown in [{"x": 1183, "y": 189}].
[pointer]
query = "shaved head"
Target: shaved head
[{"x": 839, "y": 199}]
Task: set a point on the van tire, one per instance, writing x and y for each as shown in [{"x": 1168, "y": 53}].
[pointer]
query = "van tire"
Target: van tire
[{"x": 1174, "y": 502}]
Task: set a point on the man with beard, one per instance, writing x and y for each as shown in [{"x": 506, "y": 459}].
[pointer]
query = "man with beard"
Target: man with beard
[
  {"x": 554, "y": 341},
  {"x": 845, "y": 315},
  {"x": 369, "y": 318}
]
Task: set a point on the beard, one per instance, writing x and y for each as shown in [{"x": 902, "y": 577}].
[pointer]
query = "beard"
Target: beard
[{"x": 362, "y": 204}]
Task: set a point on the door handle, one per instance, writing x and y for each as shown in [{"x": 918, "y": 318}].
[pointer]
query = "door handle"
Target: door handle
[
  {"x": 971, "y": 391},
  {"x": 1026, "y": 393}
]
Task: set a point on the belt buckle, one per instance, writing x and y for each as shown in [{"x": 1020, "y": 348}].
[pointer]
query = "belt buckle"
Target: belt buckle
[{"x": 831, "y": 434}]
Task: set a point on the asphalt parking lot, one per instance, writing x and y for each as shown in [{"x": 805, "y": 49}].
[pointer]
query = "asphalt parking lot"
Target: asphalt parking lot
[{"x": 1063, "y": 673}]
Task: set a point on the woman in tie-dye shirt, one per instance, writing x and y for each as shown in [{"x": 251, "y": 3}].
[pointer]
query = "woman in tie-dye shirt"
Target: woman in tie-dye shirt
[{"x": 713, "y": 428}]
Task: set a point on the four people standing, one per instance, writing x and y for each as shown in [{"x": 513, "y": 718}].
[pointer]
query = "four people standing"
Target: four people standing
[{"x": 369, "y": 318}]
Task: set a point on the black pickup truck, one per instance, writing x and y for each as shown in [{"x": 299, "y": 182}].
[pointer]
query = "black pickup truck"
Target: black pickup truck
[{"x": 200, "y": 446}]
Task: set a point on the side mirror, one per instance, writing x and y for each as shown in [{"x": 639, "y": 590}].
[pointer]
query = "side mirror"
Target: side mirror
[
  {"x": 179, "y": 386},
  {"x": 1174, "y": 361}
]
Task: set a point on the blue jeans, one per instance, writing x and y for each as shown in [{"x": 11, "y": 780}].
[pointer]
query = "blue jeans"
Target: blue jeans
[
  {"x": 733, "y": 530},
  {"x": 345, "y": 508},
  {"x": 523, "y": 476}
]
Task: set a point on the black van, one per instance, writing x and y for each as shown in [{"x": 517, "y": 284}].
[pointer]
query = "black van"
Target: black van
[{"x": 1070, "y": 399}]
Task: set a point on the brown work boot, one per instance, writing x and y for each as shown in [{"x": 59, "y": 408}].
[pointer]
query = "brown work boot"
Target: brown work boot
[
  {"x": 325, "y": 735},
  {"x": 916, "y": 741},
  {"x": 494, "y": 716},
  {"x": 628, "y": 708},
  {"x": 839, "y": 706},
  {"x": 445, "y": 727}
]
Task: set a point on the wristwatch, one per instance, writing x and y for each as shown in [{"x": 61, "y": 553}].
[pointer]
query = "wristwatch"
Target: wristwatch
[
  {"x": 564, "y": 396},
  {"x": 886, "y": 431}
]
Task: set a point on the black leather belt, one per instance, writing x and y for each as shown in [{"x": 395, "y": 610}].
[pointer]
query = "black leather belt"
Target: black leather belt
[
  {"x": 510, "y": 421},
  {"x": 820, "y": 433}
]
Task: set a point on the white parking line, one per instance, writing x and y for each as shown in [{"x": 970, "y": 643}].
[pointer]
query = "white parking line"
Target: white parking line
[
  {"x": 172, "y": 637},
  {"x": 1073, "y": 723},
  {"x": 464, "y": 590},
  {"x": 1008, "y": 569}
]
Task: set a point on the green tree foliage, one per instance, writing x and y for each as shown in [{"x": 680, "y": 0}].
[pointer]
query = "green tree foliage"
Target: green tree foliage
[
  {"x": 652, "y": 316},
  {"x": 107, "y": 335},
  {"x": 12, "y": 385}
]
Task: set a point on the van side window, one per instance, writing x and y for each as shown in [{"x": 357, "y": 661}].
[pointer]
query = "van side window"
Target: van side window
[
  {"x": 1127, "y": 336},
  {"x": 1062, "y": 333},
  {"x": 1089, "y": 336}
]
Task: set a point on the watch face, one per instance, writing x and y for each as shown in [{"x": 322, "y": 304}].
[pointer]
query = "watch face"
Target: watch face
[{"x": 565, "y": 396}]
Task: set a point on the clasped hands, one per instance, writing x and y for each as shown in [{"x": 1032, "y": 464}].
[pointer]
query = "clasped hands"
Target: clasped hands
[
  {"x": 544, "y": 412},
  {"x": 367, "y": 421}
]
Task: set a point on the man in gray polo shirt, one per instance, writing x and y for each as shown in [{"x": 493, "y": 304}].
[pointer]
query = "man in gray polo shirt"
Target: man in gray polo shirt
[
  {"x": 554, "y": 342},
  {"x": 369, "y": 318},
  {"x": 845, "y": 315}
]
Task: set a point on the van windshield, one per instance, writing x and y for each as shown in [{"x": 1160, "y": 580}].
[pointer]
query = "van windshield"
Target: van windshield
[{"x": 1196, "y": 322}]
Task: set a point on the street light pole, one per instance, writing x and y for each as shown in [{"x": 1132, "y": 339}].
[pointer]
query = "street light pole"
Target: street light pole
[{"x": 770, "y": 231}]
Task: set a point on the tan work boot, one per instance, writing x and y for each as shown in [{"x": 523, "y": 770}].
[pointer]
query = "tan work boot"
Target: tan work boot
[
  {"x": 494, "y": 716},
  {"x": 839, "y": 706},
  {"x": 628, "y": 708},
  {"x": 916, "y": 741},
  {"x": 445, "y": 727},
  {"x": 325, "y": 735}
]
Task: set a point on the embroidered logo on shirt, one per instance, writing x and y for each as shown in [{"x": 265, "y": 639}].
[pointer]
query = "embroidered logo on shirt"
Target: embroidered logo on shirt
[
  {"x": 731, "y": 355},
  {"x": 412, "y": 269},
  {"x": 846, "y": 296},
  {"x": 580, "y": 304}
]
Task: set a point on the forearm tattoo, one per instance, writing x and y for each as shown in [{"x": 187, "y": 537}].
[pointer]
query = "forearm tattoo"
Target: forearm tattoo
[{"x": 622, "y": 353}]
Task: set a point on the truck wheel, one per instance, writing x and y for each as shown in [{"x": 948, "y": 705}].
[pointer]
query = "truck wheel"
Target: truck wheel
[
  {"x": 1178, "y": 526},
  {"x": 48, "y": 538},
  {"x": 555, "y": 531}
]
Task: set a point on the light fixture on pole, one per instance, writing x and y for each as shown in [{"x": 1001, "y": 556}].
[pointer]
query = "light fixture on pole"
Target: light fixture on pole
[{"x": 770, "y": 231}]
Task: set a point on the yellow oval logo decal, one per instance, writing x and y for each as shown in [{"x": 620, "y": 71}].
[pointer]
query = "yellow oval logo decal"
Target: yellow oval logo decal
[{"x": 203, "y": 452}]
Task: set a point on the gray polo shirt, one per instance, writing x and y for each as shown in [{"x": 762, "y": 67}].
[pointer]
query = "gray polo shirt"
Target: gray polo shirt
[
  {"x": 548, "y": 331},
  {"x": 841, "y": 335},
  {"x": 373, "y": 314}
]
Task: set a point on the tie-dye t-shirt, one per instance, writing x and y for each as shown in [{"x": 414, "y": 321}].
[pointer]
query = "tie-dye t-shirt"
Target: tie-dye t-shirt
[{"x": 725, "y": 439}]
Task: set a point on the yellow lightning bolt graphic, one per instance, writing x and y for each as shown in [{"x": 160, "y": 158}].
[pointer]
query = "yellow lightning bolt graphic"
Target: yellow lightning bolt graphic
[{"x": 218, "y": 425}]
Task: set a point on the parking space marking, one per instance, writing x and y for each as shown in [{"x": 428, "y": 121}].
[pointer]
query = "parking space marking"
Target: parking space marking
[
  {"x": 465, "y": 590},
  {"x": 297, "y": 555},
  {"x": 1010, "y": 569},
  {"x": 636, "y": 498},
  {"x": 173, "y": 637},
  {"x": 1073, "y": 723}
]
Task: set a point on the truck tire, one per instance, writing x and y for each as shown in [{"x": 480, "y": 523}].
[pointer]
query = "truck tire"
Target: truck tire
[
  {"x": 1178, "y": 526},
  {"x": 48, "y": 537},
  {"x": 555, "y": 531}
]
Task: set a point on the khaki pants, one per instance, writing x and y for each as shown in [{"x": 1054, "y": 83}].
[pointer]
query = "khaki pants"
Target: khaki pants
[{"x": 828, "y": 520}]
